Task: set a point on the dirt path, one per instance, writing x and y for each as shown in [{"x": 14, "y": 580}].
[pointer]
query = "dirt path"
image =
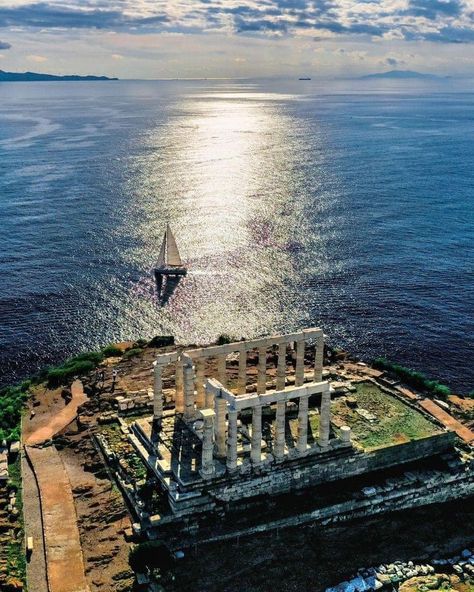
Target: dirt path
[
  {"x": 448, "y": 420},
  {"x": 36, "y": 566},
  {"x": 58, "y": 421},
  {"x": 63, "y": 547}
]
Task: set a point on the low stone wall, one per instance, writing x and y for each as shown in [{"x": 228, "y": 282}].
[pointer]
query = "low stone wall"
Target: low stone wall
[{"x": 341, "y": 463}]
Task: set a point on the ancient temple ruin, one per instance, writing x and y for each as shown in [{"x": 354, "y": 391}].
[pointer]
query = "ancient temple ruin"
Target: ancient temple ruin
[{"x": 228, "y": 432}]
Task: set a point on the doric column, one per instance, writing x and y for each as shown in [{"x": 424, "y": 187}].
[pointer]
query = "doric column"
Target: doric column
[
  {"x": 200, "y": 388},
  {"x": 302, "y": 444},
  {"x": 242, "y": 380},
  {"x": 262, "y": 370},
  {"x": 221, "y": 368},
  {"x": 299, "y": 368},
  {"x": 179, "y": 395},
  {"x": 318, "y": 359},
  {"x": 325, "y": 418},
  {"x": 157, "y": 391},
  {"x": 220, "y": 407},
  {"x": 207, "y": 459},
  {"x": 188, "y": 383},
  {"x": 232, "y": 440},
  {"x": 256, "y": 450},
  {"x": 345, "y": 434},
  {"x": 279, "y": 446},
  {"x": 281, "y": 366}
]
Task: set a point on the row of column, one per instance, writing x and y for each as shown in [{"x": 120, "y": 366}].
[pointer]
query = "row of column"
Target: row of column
[{"x": 188, "y": 381}]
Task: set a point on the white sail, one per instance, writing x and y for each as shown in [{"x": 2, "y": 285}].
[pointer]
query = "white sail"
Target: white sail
[
  {"x": 172, "y": 255},
  {"x": 162, "y": 255}
]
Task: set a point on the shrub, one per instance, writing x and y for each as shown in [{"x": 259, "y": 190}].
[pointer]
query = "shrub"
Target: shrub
[
  {"x": 135, "y": 351},
  {"x": 413, "y": 378},
  {"x": 60, "y": 375},
  {"x": 161, "y": 341},
  {"x": 111, "y": 351},
  {"x": 151, "y": 554},
  {"x": 12, "y": 399},
  {"x": 224, "y": 339}
]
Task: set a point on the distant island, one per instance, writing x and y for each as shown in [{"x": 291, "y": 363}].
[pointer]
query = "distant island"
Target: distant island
[
  {"x": 401, "y": 74},
  {"x": 34, "y": 76}
]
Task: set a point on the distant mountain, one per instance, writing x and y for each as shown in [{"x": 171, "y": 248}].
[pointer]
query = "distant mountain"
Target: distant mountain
[
  {"x": 399, "y": 74},
  {"x": 34, "y": 76}
]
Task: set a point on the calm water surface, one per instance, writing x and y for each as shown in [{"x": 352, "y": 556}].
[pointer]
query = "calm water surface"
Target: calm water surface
[{"x": 294, "y": 204}]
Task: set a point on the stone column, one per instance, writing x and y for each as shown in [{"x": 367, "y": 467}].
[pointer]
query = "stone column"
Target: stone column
[
  {"x": 221, "y": 368},
  {"x": 325, "y": 419},
  {"x": 207, "y": 459},
  {"x": 256, "y": 450},
  {"x": 200, "y": 388},
  {"x": 188, "y": 380},
  {"x": 302, "y": 444},
  {"x": 345, "y": 434},
  {"x": 157, "y": 391},
  {"x": 318, "y": 359},
  {"x": 279, "y": 446},
  {"x": 262, "y": 370},
  {"x": 220, "y": 406},
  {"x": 242, "y": 380},
  {"x": 281, "y": 367},
  {"x": 299, "y": 368},
  {"x": 232, "y": 441},
  {"x": 179, "y": 396}
]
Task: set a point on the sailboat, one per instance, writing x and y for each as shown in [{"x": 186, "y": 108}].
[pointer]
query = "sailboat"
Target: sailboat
[{"x": 169, "y": 259}]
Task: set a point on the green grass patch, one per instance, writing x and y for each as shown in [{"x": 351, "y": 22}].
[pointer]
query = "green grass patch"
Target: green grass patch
[
  {"x": 394, "y": 423},
  {"x": 413, "y": 378},
  {"x": 15, "y": 548},
  {"x": 77, "y": 366},
  {"x": 111, "y": 351},
  {"x": 12, "y": 400},
  {"x": 131, "y": 353}
]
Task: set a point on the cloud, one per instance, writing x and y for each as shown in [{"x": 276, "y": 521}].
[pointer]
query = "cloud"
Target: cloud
[
  {"x": 38, "y": 59},
  {"x": 117, "y": 56},
  {"x": 444, "y": 21},
  {"x": 4, "y": 45}
]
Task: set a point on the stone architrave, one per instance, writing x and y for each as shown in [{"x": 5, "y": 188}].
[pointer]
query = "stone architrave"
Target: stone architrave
[
  {"x": 256, "y": 443},
  {"x": 188, "y": 379},
  {"x": 325, "y": 419},
  {"x": 299, "y": 369},
  {"x": 281, "y": 366},
  {"x": 302, "y": 444},
  {"x": 207, "y": 459},
  {"x": 157, "y": 391},
  {"x": 179, "y": 395},
  {"x": 220, "y": 406},
  {"x": 242, "y": 379},
  {"x": 262, "y": 370},
  {"x": 232, "y": 441},
  {"x": 279, "y": 446}
]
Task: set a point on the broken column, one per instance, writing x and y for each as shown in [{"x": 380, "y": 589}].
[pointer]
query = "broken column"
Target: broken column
[
  {"x": 302, "y": 445},
  {"x": 207, "y": 459},
  {"x": 256, "y": 444},
  {"x": 232, "y": 440},
  {"x": 345, "y": 434},
  {"x": 325, "y": 418},
  {"x": 279, "y": 445},
  {"x": 188, "y": 384}
]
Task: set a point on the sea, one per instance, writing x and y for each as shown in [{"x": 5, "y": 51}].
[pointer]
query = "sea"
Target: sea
[{"x": 347, "y": 205}]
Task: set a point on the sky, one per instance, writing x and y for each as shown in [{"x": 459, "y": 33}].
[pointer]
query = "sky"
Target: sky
[{"x": 237, "y": 38}]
